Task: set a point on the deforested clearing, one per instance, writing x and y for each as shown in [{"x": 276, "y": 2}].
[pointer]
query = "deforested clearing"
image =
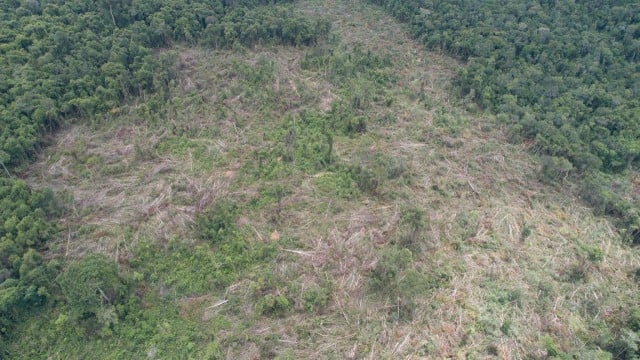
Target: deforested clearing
[{"x": 331, "y": 199}]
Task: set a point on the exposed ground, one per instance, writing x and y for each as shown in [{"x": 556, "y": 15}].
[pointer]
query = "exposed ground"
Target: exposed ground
[{"x": 513, "y": 261}]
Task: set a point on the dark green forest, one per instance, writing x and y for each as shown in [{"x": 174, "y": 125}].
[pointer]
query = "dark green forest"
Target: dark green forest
[{"x": 562, "y": 76}]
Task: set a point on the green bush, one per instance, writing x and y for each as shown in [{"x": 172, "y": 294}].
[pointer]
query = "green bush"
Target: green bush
[
  {"x": 273, "y": 305},
  {"x": 93, "y": 291},
  {"x": 185, "y": 269},
  {"x": 626, "y": 346},
  {"x": 336, "y": 184},
  {"x": 555, "y": 168},
  {"x": 466, "y": 224},
  {"x": 25, "y": 278},
  {"x": 364, "y": 178},
  {"x": 344, "y": 64},
  {"x": 592, "y": 253},
  {"x": 601, "y": 191},
  {"x": 24, "y": 224},
  {"x": 397, "y": 280},
  {"x": 388, "y": 273},
  {"x": 316, "y": 298},
  {"x": 343, "y": 120},
  {"x": 411, "y": 230},
  {"x": 218, "y": 223},
  {"x": 302, "y": 142}
]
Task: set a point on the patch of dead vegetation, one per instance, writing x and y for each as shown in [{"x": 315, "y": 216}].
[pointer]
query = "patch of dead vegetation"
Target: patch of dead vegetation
[{"x": 151, "y": 194}]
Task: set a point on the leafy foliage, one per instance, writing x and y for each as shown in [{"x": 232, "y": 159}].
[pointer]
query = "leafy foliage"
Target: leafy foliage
[
  {"x": 93, "y": 291},
  {"x": 227, "y": 259},
  {"x": 24, "y": 214},
  {"x": 411, "y": 228},
  {"x": 396, "y": 278},
  {"x": 272, "y": 305},
  {"x": 217, "y": 224},
  {"x": 20, "y": 295},
  {"x": 24, "y": 228},
  {"x": 273, "y": 24}
]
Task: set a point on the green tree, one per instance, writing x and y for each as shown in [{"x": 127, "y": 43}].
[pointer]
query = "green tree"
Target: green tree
[{"x": 92, "y": 289}]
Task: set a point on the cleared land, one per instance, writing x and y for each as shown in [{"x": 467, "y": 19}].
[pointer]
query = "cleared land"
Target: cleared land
[{"x": 484, "y": 259}]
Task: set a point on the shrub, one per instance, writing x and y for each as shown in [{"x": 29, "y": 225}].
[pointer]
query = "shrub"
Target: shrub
[
  {"x": 466, "y": 224},
  {"x": 316, "y": 298},
  {"x": 411, "y": 228},
  {"x": 396, "y": 278},
  {"x": 592, "y": 253},
  {"x": 273, "y": 305},
  {"x": 365, "y": 179},
  {"x": 24, "y": 223},
  {"x": 92, "y": 288},
  {"x": 626, "y": 346},
  {"x": 389, "y": 270},
  {"x": 218, "y": 223},
  {"x": 602, "y": 193},
  {"x": 555, "y": 168},
  {"x": 336, "y": 184}
]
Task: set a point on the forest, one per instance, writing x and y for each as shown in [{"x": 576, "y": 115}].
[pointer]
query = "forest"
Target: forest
[{"x": 561, "y": 78}]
